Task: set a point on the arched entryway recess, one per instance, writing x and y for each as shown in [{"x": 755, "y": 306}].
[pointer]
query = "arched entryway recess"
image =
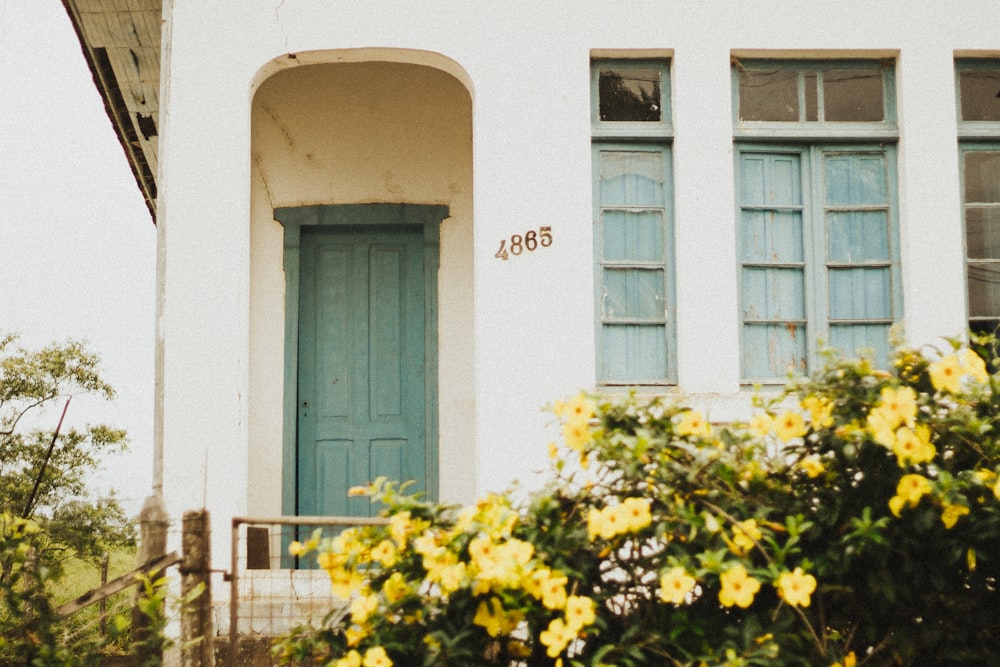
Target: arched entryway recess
[{"x": 361, "y": 302}]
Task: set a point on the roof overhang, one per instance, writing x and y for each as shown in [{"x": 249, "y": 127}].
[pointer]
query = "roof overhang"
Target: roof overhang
[{"x": 121, "y": 44}]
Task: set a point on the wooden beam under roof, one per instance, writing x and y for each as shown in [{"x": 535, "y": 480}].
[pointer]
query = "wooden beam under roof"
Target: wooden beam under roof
[{"x": 121, "y": 44}]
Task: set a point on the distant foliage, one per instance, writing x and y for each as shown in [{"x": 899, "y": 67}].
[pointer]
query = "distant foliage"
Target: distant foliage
[
  {"x": 47, "y": 513},
  {"x": 854, "y": 520}
]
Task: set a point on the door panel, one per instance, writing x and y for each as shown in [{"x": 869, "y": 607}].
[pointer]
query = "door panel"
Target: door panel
[{"x": 361, "y": 372}]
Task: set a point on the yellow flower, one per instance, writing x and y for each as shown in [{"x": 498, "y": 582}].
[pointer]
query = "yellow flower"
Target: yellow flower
[
  {"x": 352, "y": 659},
  {"x": 900, "y": 404},
  {"x": 576, "y": 433},
  {"x": 385, "y": 553},
  {"x": 820, "y": 411},
  {"x": 912, "y": 488},
  {"x": 789, "y": 425},
  {"x": 344, "y": 583},
  {"x": 395, "y": 587},
  {"x": 376, "y": 657},
  {"x": 996, "y": 488},
  {"x": 556, "y": 637},
  {"x": 296, "y": 548},
  {"x": 795, "y": 587},
  {"x": 909, "y": 491},
  {"x": 738, "y": 587},
  {"x": 947, "y": 373},
  {"x": 495, "y": 618},
  {"x": 952, "y": 513},
  {"x": 675, "y": 585},
  {"x": 553, "y": 450},
  {"x": 578, "y": 408},
  {"x": 882, "y": 426},
  {"x": 761, "y": 424},
  {"x": 812, "y": 466},
  {"x": 913, "y": 447},
  {"x": 974, "y": 366},
  {"x": 362, "y": 607},
  {"x": 693, "y": 423},
  {"x": 400, "y": 527},
  {"x": 636, "y": 513},
  {"x": 850, "y": 660},
  {"x": 580, "y": 612},
  {"x": 603, "y": 523},
  {"x": 745, "y": 535},
  {"x": 553, "y": 590}
]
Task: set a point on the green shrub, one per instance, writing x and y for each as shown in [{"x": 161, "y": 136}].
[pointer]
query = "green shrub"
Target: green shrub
[{"x": 854, "y": 520}]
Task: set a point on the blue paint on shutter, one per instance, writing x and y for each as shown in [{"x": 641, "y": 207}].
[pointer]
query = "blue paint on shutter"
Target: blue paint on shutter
[
  {"x": 859, "y": 258},
  {"x": 634, "y": 279},
  {"x": 773, "y": 277}
]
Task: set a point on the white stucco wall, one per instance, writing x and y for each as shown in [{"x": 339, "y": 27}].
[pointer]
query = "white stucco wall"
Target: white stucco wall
[{"x": 526, "y": 324}]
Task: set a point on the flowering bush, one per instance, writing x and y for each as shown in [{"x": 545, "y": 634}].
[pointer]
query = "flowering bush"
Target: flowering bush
[{"x": 854, "y": 520}]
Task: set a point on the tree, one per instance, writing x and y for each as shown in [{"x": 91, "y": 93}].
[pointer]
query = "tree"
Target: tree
[{"x": 43, "y": 473}]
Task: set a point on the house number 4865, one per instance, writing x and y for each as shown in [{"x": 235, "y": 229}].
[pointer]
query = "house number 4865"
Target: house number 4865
[{"x": 529, "y": 241}]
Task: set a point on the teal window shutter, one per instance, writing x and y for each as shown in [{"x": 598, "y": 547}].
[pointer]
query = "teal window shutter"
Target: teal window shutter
[
  {"x": 819, "y": 259},
  {"x": 773, "y": 270},
  {"x": 634, "y": 280},
  {"x": 859, "y": 252},
  {"x": 633, "y": 232}
]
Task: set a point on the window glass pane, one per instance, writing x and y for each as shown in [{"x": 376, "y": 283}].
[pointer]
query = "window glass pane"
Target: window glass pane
[
  {"x": 770, "y": 180},
  {"x": 634, "y": 353},
  {"x": 631, "y": 178},
  {"x": 859, "y": 294},
  {"x": 627, "y": 94},
  {"x": 771, "y": 350},
  {"x": 870, "y": 339},
  {"x": 853, "y": 95},
  {"x": 979, "y": 91},
  {"x": 982, "y": 176},
  {"x": 771, "y": 294},
  {"x": 633, "y": 294},
  {"x": 984, "y": 289},
  {"x": 982, "y": 232},
  {"x": 855, "y": 179},
  {"x": 857, "y": 236},
  {"x": 989, "y": 326},
  {"x": 769, "y": 95},
  {"x": 632, "y": 236},
  {"x": 772, "y": 236}
]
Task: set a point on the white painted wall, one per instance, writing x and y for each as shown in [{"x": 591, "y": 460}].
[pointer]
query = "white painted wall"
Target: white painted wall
[{"x": 523, "y": 329}]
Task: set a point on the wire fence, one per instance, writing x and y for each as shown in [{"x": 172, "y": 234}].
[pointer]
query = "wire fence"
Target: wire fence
[{"x": 270, "y": 590}]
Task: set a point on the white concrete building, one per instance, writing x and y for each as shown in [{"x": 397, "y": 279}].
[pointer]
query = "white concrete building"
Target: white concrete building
[{"x": 390, "y": 232}]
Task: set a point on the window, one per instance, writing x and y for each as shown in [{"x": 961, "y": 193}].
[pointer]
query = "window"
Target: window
[
  {"x": 979, "y": 133},
  {"x": 817, "y": 229},
  {"x": 633, "y": 226}
]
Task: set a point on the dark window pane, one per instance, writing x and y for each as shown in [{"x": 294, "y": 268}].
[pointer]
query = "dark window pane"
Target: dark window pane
[
  {"x": 984, "y": 289},
  {"x": 853, "y": 95},
  {"x": 982, "y": 232},
  {"x": 629, "y": 94},
  {"x": 982, "y": 177},
  {"x": 769, "y": 95},
  {"x": 980, "y": 94}
]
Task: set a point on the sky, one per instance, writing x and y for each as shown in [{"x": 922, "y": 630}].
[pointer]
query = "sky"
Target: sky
[{"x": 77, "y": 244}]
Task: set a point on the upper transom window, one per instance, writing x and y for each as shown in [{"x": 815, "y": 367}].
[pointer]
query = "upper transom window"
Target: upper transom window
[{"x": 856, "y": 92}]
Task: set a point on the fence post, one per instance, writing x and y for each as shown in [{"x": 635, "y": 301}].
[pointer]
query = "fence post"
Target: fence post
[
  {"x": 153, "y": 524},
  {"x": 196, "y": 570}
]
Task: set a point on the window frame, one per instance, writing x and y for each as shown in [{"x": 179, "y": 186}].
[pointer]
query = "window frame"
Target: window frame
[
  {"x": 973, "y": 136},
  {"x": 812, "y": 141},
  {"x": 637, "y": 136}
]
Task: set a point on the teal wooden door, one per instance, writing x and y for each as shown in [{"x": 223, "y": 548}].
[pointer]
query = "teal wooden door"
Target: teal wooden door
[{"x": 361, "y": 375}]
